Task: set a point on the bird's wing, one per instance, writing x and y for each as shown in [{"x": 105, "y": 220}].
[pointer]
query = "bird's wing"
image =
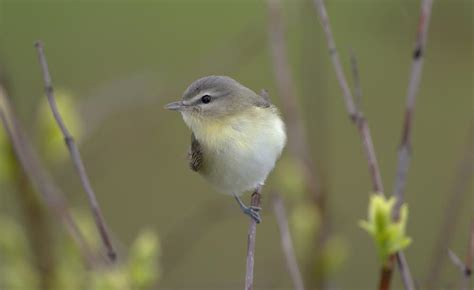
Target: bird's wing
[{"x": 195, "y": 154}]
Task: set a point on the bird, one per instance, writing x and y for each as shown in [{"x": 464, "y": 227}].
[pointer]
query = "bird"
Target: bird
[{"x": 237, "y": 135}]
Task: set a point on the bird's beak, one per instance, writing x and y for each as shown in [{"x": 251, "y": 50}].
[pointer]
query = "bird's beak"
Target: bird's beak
[{"x": 175, "y": 106}]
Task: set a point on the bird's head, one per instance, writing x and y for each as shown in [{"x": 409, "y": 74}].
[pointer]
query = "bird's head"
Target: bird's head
[{"x": 214, "y": 98}]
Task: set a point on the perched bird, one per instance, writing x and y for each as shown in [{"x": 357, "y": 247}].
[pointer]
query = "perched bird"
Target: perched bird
[{"x": 237, "y": 135}]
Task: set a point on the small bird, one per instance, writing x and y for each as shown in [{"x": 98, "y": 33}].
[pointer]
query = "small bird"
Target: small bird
[{"x": 237, "y": 135}]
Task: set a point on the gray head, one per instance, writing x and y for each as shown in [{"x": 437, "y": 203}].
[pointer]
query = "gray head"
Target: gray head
[{"x": 216, "y": 96}]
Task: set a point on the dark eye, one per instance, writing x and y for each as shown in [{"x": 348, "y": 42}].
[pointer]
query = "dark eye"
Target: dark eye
[{"x": 206, "y": 99}]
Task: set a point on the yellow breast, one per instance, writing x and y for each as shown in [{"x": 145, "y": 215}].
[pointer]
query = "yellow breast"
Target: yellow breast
[{"x": 239, "y": 151}]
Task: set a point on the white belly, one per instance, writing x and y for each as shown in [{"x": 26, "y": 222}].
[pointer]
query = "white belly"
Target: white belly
[{"x": 244, "y": 162}]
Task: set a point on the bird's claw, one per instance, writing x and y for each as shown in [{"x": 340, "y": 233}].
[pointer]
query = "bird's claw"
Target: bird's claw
[{"x": 254, "y": 213}]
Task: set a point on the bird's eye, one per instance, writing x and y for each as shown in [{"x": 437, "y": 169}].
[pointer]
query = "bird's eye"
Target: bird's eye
[{"x": 206, "y": 99}]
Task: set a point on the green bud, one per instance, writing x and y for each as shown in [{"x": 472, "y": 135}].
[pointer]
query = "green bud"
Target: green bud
[
  {"x": 389, "y": 235},
  {"x": 143, "y": 260},
  {"x": 289, "y": 178},
  {"x": 304, "y": 223},
  {"x": 16, "y": 271},
  {"x": 334, "y": 254},
  {"x": 110, "y": 279}
]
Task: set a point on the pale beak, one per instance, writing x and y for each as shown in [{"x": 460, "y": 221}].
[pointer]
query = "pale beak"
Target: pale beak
[{"x": 175, "y": 106}]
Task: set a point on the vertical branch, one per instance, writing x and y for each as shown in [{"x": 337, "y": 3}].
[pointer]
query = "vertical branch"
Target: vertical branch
[
  {"x": 36, "y": 174},
  {"x": 38, "y": 228},
  {"x": 75, "y": 155},
  {"x": 252, "y": 235},
  {"x": 354, "y": 113},
  {"x": 386, "y": 272},
  {"x": 286, "y": 242},
  {"x": 404, "y": 149},
  {"x": 37, "y": 225},
  {"x": 297, "y": 139},
  {"x": 357, "y": 85},
  {"x": 358, "y": 119},
  {"x": 348, "y": 99}
]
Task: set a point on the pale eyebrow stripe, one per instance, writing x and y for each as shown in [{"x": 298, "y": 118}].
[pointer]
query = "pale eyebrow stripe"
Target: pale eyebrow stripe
[{"x": 198, "y": 97}]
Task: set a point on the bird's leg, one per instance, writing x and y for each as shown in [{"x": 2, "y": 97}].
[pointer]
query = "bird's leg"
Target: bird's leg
[{"x": 251, "y": 211}]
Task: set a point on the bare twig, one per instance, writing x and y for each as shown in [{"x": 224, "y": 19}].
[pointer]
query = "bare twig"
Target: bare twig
[
  {"x": 456, "y": 260},
  {"x": 357, "y": 84},
  {"x": 37, "y": 227},
  {"x": 353, "y": 112},
  {"x": 470, "y": 251},
  {"x": 405, "y": 272},
  {"x": 348, "y": 99},
  {"x": 40, "y": 180},
  {"x": 252, "y": 233},
  {"x": 404, "y": 149},
  {"x": 75, "y": 155},
  {"x": 462, "y": 268},
  {"x": 286, "y": 241},
  {"x": 454, "y": 204},
  {"x": 359, "y": 120},
  {"x": 37, "y": 223},
  {"x": 297, "y": 140}
]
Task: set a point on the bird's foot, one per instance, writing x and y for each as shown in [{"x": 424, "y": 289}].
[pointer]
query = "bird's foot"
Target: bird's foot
[{"x": 253, "y": 212}]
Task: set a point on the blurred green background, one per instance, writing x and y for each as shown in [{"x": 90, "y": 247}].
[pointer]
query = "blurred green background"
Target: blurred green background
[{"x": 123, "y": 60}]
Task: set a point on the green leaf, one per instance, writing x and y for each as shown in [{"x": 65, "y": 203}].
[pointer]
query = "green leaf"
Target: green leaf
[{"x": 389, "y": 236}]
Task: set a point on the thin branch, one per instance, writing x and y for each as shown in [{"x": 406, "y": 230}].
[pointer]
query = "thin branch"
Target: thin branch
[
  {"x": 359, "y": 120},
  {"x": 252, "y": 233},
  {"x": 405, "y": 272},
  {"x": 456, "y": 261},
  {"x": 386, "y": 274},
  {"x": 75, "y": 155},
  {"x": 470, "y": 251},
  {"x": 354, "y": 113},
  {"x": 404, "y": 151},
  {"x": 37, "y": 226},
  {"x": 348, "y": 99},
  {"x": 462, "y": 268},
  {"x": 286, "y": 242},
  {"x": 454, "y": 205},
  {"x": 297, "y": 139},
  {"x": 357, "y": 84},
  {"x": 51, "y": 195},
  {"x": 37, "y": 222}
]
